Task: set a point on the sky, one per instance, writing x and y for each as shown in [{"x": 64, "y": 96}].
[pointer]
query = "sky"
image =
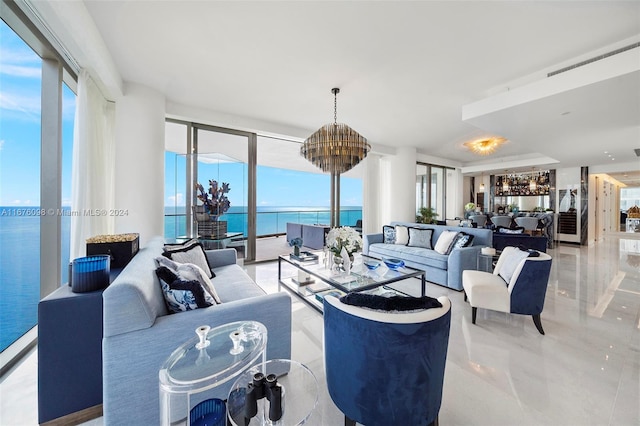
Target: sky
[{"x": 20, "y": 85}]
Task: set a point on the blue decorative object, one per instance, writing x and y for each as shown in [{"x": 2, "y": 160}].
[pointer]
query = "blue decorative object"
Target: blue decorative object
[
  {"x": 211, "y": 412},
  {"x": 90, "y": 273},
  {"x": 393, "y": 263},
  {"x": 371, "y": 264}
]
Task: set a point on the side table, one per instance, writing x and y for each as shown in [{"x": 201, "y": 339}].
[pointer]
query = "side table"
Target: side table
[
  {"x": 485, "y": 261},
  {"x": 193, "y": 369},
  {"x": 299, "y": 390}
]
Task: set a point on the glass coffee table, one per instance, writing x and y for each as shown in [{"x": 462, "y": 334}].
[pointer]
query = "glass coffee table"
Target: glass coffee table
[{"x": 318, "y": 277}]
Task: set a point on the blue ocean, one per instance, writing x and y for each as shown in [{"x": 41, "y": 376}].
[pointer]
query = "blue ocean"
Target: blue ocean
[{"x": 20, "y": 253}]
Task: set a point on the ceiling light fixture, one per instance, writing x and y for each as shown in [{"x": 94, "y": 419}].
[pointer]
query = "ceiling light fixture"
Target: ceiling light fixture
[
  {"x": 335, "y": 148},
  {"x": 485, "y": 146},
  {"x": 482, "y": 182}
]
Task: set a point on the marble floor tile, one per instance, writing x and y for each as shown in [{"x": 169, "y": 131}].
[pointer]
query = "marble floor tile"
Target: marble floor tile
[{"x": 501, "y": 371}]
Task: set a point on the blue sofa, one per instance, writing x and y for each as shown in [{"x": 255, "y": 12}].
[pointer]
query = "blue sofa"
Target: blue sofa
[
  {"x": 139, "y": 334},
  {"x": 441, "y": 269}
]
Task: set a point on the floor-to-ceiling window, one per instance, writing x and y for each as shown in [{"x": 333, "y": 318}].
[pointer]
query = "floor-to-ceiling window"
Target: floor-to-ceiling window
[
  {"x": 26, "y": 238},
  {"x": 431, "y": 188},
  {"x": 20, "y": 124}
]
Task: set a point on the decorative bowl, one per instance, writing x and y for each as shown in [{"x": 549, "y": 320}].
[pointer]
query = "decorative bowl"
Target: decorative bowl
[
  {"x": 371, "y": 264},
  {"x": 393, "y": 263}
]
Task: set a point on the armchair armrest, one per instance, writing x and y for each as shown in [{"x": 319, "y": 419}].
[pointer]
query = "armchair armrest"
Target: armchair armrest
[
  {"x": 221, "y": 257},
  {"x": 369, "y": 239}
]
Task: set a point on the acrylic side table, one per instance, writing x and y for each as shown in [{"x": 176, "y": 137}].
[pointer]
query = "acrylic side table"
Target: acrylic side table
[
  {"x": 299, "y": 390},
  {"x": 192, "y": 370}
]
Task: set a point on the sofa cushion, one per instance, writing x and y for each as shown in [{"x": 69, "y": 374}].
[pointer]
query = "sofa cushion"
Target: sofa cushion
[
  {"x": 393, "y": 303},
  {"x": 232, "y": 283},
  {"x": 389, "y": 234},
  {"x": 415, "y": 255},
  {"x": 445, "y": 242},
  {"x": 191, "y": 252},
  {"x": 420, "y": 237},
  {"x": 402, "y": 235},
  {"x": 182, "y": 295}
]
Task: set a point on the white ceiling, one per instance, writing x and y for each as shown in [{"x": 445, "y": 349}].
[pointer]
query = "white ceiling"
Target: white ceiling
[{"x": 405, "y": 69}]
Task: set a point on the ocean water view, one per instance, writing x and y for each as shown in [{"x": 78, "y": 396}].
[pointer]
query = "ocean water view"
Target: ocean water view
[
  {"x": 269, "y": 221},
  {"x": 20, "y": 253}
]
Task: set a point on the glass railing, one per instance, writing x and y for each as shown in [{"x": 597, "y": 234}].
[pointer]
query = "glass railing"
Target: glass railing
[{"x": 267, "y": 222}]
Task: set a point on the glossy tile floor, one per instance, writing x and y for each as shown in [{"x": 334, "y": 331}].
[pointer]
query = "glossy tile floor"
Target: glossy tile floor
[{"x": 584, "y": 371}]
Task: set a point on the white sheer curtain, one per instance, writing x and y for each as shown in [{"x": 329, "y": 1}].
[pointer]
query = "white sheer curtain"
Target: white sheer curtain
[{"x": 93, "y": 167}]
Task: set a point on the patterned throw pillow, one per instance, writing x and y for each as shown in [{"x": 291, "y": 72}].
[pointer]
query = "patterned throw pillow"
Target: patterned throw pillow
[
  {"x": 393, "y": 303},
  {"x": 462, "y": 240},
  {"x": 516, "y": 230},
  {"x": 402, "y": 235},
  {"x": 419, "y": 237},
  {"x": 181, "y": 295},
  {"x": 445, "y": 242},
  {"x": 191, "y": 272},
  {"x": 191, "y": 252},
  {"x": 388, "y": 234}
]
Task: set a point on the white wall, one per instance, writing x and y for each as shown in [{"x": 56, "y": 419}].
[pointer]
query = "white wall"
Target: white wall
[{"x": 139, "y": 181}]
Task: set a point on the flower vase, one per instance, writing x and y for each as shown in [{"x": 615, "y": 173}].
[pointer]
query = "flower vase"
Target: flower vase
[
  {"x": 338, "y": 263},
  {"x": 296, "y": 251}
]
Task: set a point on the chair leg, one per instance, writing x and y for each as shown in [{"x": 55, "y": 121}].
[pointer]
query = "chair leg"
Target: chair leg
[
  {"x": 474, "y": 311},
  {"x": 465, "y": 295},
  {"x": 349, "y": 422},
  {"x": 434, "y": 422},
  {"x": 538, "y": 323}
]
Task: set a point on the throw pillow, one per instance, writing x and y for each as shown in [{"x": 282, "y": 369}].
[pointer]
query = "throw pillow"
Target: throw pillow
[
  {"x": 512, "y": 258},
  {"x": 419, "y": 237},
  {"x": 192, "y": 272},
  {"x": 462, "y": 240},
  {"x": 189, "y": 253},
  {"x": 402, "y": 235},
  {"x": 181, "y": 295},
  {"x": 516, "y": 230},
  {"x": 393, "y": 303},
  {"x": 388, "y": 234},
  {"x": 445, "y": 242}
]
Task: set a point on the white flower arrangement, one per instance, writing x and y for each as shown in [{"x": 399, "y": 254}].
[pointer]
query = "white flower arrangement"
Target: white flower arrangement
[{"x": 346, "y": 237}]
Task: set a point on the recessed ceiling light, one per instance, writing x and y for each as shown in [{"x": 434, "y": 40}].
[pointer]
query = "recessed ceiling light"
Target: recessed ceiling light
[
  {"x": 612, "y": 158},
  {"x": 606, "y": 152}
]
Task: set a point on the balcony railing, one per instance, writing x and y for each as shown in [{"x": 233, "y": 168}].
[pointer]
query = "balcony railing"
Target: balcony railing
[{"x": 268, "y": 223}]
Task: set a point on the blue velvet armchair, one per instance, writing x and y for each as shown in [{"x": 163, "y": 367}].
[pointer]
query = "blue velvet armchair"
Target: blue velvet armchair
[
  {"x": 386, "y": 368},
  {"x": 524, "y": 293}
]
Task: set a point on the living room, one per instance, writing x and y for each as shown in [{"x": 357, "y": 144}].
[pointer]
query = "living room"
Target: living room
[{"x": 418, "y": 79}]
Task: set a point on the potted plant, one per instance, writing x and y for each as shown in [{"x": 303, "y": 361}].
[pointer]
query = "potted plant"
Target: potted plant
[{"x": 427, "y": 215}]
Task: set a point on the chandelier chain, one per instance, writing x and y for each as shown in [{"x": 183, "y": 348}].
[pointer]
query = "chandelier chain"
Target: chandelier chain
[{"x": 335, "y": 107}]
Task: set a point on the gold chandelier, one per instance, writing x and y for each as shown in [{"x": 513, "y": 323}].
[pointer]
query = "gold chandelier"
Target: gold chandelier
[
  {"x": 485, "y": 146},
  {"x": 335, "y": 148}
]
